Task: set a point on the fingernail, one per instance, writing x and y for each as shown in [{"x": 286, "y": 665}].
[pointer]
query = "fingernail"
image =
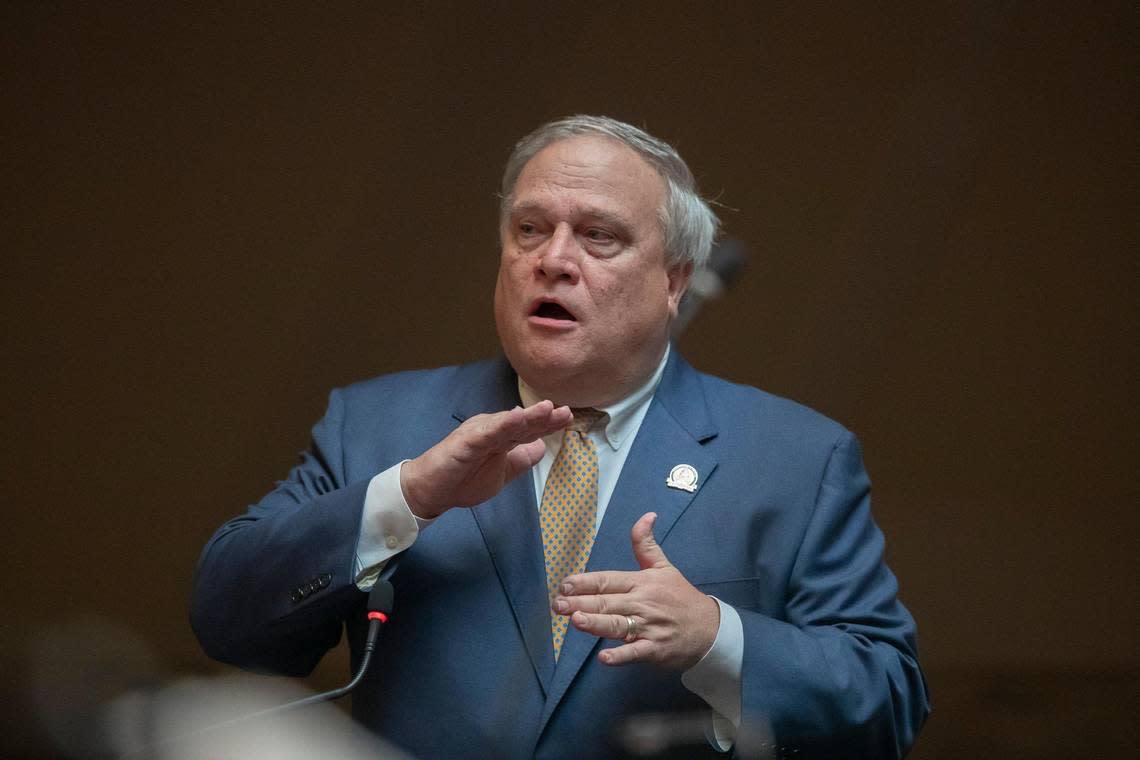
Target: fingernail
[
  {"x": 567, "y": 589},
  {"x": 562, "y": 606}
]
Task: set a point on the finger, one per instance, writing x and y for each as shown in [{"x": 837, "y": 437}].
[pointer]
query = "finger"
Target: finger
[
  {"x": 524, "y": 456},
  {"x": 547, "y": 422},
  {"x": 600, "y": 582},
  {"x": 535, "y": 421},
  {"x": 640, "y": 650},
  {"x": 504, "y": 430},
  {"x": 604, "y": 626},
  {"x": 645, "y": 547},
  {"x": 527, "y": 423},
  {"x": 612, "y": 604}
]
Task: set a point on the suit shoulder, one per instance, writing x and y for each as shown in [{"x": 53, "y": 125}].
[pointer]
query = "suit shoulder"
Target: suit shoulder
[{"x": 734, "y": 403}]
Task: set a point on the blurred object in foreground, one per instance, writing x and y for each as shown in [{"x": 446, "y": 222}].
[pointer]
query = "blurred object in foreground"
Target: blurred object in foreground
[
  {"x": 74, "y": 669},
  {"x": 99, "y": 690},
  {"x": 179, "y": 720},
  {"x": 663, "y": 736}
]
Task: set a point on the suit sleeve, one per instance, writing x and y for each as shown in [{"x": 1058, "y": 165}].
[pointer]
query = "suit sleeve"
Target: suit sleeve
[
  {"x": 273, "y": 586},
  {"x": 839, "y": 677}
]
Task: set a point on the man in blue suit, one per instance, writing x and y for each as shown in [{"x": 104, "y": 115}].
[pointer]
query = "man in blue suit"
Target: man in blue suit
[{"x": 586, "y": 530}]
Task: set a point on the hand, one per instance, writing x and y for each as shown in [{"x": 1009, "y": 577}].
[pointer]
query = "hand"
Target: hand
[
  {"x": 479, "y": 457},
  {"x": 675, "y": 623}
]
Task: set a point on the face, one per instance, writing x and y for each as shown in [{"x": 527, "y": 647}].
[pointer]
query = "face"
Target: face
[{"x": 584, "y": 299}]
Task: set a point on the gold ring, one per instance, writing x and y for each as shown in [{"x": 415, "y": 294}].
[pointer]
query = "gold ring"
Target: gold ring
[{"x": 630, "y": 628}]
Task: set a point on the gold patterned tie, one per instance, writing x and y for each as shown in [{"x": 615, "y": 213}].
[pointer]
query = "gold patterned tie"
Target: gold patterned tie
[{"x": 569, "y": 507}]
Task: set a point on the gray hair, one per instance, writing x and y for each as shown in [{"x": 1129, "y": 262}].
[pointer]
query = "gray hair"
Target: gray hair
[{"x": 687, "y": 222}]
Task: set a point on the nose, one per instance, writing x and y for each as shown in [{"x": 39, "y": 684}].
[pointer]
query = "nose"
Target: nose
[{"x": 559, "y": 259}]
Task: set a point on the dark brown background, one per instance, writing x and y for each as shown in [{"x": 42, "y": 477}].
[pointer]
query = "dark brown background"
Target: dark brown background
[{"x": 212, "y": 216}]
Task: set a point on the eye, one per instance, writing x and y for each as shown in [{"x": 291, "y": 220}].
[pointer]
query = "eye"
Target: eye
[
  {"x": 601, "y": 241},
  {"x": 528, "y": 234}
]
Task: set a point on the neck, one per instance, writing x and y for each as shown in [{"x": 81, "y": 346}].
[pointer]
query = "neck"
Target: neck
[{"x": 579, "y": 394}]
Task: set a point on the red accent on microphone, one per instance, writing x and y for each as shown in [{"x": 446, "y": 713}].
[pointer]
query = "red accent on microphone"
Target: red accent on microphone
[{"x": 374, "y": 615}]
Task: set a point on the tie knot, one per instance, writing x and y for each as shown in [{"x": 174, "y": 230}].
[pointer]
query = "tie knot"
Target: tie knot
[{"x": 584, "y": 419}]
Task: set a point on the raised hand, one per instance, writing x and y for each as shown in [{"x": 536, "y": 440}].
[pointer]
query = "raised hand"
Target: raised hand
[
  {"x": 662, "y": 617},
  {"x": 478, "y": 458}
]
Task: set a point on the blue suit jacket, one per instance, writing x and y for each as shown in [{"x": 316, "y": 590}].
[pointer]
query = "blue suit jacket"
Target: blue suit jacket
[{"x": 779, "y": 527}]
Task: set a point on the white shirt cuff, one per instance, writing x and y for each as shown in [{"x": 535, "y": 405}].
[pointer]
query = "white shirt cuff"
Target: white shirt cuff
[
  {"x": 716, "y": 678},
  {"x": 387, "y": 526}
]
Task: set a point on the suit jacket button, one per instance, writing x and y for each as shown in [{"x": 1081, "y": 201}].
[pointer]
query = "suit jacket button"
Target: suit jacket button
[
  {"x": 324, "y": 580},
  {"x": 297, "y": 595}
]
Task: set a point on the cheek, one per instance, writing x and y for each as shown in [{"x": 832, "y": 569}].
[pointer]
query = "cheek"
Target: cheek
[
  {"x": 516, "y": 265},
  {"x": 504, "y": 290},
  {"x": 615, "y": 304},
  {"x": 506, "y": 284},
  {"x": 647, "y": 291}
]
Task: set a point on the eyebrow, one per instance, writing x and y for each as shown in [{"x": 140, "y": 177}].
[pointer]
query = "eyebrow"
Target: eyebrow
[{"x": 605, "y": 217}]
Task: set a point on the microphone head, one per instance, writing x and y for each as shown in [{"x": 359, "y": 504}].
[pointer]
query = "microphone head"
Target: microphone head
[
  {"x": 727, "y": 258},
  {"x": 381, "y": 597}
]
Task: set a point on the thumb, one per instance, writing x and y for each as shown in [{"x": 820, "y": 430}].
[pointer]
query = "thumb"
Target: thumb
[{"x": 645, "y": 548}]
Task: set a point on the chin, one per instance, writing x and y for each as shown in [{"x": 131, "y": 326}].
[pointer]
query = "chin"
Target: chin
[{"x": 547, "y": 371}]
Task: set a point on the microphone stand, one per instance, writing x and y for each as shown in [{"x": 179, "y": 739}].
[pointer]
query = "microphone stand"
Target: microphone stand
[{"x": 380, "y": 600}]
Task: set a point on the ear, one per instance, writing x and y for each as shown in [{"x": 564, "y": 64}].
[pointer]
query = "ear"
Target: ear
[{"x": 679, "y": 276}]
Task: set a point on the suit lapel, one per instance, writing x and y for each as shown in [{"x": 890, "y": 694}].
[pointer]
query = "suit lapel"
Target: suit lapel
[
  {"x": 673, "y": 432},
  {"x": 509, "y": 526}
]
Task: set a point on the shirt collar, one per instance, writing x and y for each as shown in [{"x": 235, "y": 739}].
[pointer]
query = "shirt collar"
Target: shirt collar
[{"x": 623, "y": 412}]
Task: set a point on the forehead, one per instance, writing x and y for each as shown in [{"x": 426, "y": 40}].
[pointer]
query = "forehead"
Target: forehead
[{"x": 591, "y": 173}]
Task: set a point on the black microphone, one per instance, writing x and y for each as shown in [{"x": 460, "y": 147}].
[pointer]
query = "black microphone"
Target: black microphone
[
  {"x": 726, "y": 259},
  {"x": 379, "y": 607}
]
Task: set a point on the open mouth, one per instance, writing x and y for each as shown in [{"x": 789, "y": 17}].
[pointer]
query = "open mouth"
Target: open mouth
[{"x": 552, "y": 310}]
